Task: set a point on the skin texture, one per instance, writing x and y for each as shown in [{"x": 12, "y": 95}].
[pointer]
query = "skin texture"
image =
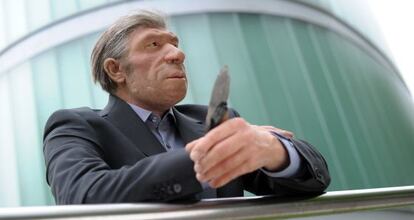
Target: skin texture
[
  {"x": 152, "y": 76},
  {"x": 235, "y": 148}
]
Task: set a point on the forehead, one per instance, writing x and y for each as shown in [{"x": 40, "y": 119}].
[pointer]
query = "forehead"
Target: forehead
[{"x": 146, "y": 33}]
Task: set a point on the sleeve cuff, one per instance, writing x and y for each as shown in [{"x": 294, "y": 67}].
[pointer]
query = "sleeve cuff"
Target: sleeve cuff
[
  {"x": 204, "y": 185},
  {"x": 295, "y": 161}
]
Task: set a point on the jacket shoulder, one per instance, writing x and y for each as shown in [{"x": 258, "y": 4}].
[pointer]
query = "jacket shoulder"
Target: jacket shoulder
[
  {"x": 68, "y": 116},
  {"x": 83, "y": 112}
]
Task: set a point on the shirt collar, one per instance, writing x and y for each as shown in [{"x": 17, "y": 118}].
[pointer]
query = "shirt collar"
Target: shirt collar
[{"x": 145, "y": 114}]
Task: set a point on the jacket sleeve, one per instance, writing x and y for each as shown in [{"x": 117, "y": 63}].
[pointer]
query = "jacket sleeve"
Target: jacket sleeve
[
  {"x": 77, "y": 172},
  {"x": 313, "y": 177}
]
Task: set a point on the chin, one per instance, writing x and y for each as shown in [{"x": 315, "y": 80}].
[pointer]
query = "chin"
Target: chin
[
  {"x": 177, "y": 96},
  {"x": 174, "y": 92},
  {"x": 180, "y": 97}
]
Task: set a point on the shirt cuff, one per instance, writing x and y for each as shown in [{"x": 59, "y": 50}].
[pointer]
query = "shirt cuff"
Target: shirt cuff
[
  {"x": 294, "y": 158},
  {"x": 204, "y": 185}
]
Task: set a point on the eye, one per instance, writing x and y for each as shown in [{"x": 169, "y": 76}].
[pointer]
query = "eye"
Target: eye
[
  {"x": 175, "y": 42},
  {"x": 153, "y": 44}
]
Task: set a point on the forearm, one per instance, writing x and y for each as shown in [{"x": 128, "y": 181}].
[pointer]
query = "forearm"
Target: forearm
[
  {"x": 313, "y": 177},
  {"x": 78, "y": 169},
  {"x": 88, "y": 179}
]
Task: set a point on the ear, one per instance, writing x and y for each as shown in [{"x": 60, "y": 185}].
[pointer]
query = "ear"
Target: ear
[{"x": 114, "y": 70}]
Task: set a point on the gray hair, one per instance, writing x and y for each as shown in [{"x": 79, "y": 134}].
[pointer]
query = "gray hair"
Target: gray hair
[{"x": 113, "y": 43}]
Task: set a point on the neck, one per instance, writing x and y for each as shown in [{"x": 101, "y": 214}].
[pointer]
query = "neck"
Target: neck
[{"x": 154, "y": 108}]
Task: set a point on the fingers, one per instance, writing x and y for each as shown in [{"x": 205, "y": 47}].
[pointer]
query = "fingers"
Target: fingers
[
  {"x": 228, "y": 165},
  {"x": 189, "y": 147},
  {"x": 246, "y": 166},
  {"x": 234, "y": 148},
  {"x": 220, "y": 152},
  {"x": 198, "y": 149}
]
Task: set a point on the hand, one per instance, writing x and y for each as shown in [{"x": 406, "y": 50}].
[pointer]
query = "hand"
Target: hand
[
  {"x": 235, "y": 148},
  {"x": 282, "y": 132}
]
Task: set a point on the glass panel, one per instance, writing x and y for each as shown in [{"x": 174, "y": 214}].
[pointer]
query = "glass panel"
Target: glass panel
[
  {"x": 39, "y": 13},
  {"x": 3, "y": 33},
  {"x": 30, "y": 161},
  {"x": 296, "y": 76},
  {"x": 74, "y": 75},
  {"x": 86, "y": 4},
  {"x": 259, "y": 39},
  {"x": 344, "y": 147},
  {"x": 354, "y": 134},
  {"x": 48, "y": 96},
  {"x": 231, "y": 50},
  {"x": 16, "y": 19},
  {"x": 362, "y": 115},
  {"x": 99, "y": 96},
  {"x": 9, "y": 185},
  {"x": 64, "y": 8},
  {"x": 387, "y": 122},
  {"x": 46, "y": 86}
]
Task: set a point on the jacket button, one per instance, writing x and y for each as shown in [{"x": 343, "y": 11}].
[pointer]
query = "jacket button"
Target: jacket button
[{"x": 177, "y": 188}]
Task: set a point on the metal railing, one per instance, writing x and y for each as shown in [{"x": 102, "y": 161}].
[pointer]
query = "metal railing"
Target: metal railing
[{"x": 231, "y": 208}]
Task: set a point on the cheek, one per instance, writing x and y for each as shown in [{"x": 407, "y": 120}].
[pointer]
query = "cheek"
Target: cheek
[
  {"x": 142, "y": 85},
  {"x": 147, "y": 67},
  {"x": 134, "y": 82}
]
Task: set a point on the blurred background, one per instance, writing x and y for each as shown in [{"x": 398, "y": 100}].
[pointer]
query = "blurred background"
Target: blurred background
[
  {"x": 321, "y": 68},
  {"x": 394, "y": 19}
]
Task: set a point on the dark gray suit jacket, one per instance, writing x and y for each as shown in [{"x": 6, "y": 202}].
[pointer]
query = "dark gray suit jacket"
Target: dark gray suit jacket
[{"x": 110, "y": 156}]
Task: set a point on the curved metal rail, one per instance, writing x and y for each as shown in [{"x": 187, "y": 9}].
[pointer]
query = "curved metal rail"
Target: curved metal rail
[{"x": 232, "y": 208}]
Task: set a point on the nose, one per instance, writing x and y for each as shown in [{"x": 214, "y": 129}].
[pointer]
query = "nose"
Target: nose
[{"x": 174, "y": 55}]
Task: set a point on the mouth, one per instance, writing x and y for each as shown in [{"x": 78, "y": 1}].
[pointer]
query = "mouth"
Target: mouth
[{"x": 177, "y": 75}]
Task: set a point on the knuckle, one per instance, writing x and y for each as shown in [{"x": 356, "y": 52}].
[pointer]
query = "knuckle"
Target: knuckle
[
  {"x": 193, "y": 155},
  {"x": 207, "y": 138},
  {"x": 247, "y": 135},
  {"x": 250, "y": 134},
  {"x": 239, "y": 122},
  {"x": 205, "y": 163}
]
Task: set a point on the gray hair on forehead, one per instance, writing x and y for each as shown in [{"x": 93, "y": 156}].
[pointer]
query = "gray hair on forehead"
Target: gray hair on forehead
[{"x": 113, "y": 43}]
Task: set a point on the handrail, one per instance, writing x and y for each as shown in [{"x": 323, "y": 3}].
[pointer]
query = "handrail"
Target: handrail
[{"x": 230, "y": 208}]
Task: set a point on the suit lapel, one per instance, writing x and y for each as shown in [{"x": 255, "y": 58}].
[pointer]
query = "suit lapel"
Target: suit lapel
[
  {"x": 189, "y": 128},
  {"x": 120, "y": 114}
]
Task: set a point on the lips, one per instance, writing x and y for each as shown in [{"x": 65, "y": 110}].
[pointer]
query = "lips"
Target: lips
[{"x": 176, "y": 75}]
